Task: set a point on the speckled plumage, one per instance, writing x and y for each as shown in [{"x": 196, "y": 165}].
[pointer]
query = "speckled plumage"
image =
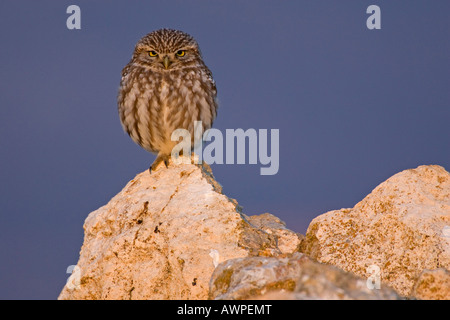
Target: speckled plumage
[{"x": 165, "y": 86}]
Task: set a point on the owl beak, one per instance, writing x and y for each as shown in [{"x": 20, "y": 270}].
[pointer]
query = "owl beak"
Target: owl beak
[{"x": 166, "y": 62}]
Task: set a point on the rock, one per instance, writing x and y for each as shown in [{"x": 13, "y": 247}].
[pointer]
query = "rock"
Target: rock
[
  {"x": 174, "y": 235},
  {"x": 402, "y": 227},
  {"x": 162, "y": 236},
  {"x": 293, "y": 277},
  {"x": 433, "y": 285}
]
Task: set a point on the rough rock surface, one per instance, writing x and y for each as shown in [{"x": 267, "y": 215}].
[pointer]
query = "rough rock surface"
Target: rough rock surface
[
  {"x": 402, "y": 227},
  {"x": 174, "y": 235},
  {"x": 294, "y": 277},
  {"x": 433, "y": 285},
  {"x": 162, "y": 236}
]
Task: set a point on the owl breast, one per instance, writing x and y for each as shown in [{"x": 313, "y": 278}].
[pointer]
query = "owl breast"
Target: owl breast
[{"x": 156, "y": 104}]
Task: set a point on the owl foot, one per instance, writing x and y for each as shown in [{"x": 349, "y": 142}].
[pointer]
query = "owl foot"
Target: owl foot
[{"x": 160, "y": 158}]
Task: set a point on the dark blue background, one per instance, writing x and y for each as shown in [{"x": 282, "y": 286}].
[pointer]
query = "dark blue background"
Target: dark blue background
[{"x": 354, "y": 106}]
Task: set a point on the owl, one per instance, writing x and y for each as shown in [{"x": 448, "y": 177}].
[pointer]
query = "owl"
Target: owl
[{"x": 165, "y": 86}]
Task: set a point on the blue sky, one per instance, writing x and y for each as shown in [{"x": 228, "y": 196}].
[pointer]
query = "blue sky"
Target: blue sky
[{"x": 353, "y": 107}]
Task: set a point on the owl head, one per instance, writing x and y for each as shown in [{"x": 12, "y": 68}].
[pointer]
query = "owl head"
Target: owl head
[{"x": 167, "y": 50}]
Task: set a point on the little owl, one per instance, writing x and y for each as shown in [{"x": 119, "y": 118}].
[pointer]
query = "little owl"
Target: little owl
[{"x": 165, "y": 86}]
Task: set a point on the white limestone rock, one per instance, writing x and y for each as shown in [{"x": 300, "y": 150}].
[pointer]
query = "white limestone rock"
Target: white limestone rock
[
  {"x": 291, "y": 277},
  {"x": 401, "y": 227},
  {"x": 162, "y": 236}
]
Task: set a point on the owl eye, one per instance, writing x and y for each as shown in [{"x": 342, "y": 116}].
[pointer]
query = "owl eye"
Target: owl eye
[
  {"x": 152, "y": 53},
  {"x": 180, "y": 53}
]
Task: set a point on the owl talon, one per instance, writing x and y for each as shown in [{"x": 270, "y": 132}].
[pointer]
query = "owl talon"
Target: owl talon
[{"x": 157, "y": 161}]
